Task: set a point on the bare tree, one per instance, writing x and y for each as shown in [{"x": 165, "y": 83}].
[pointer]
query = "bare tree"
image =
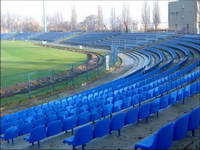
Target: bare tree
[
  {"x": 126, "y": 17},
  {"x": 55, "y": 22},
  {"x": 145, "y": 15},
  {"x": 30, "y": 25},
  {"x": 119, "y": 24},
  {"x": 89, "y": 23},
  {"x": 133, "y": 25},
  {"x": 113, "y": 19},
  {"x": 11, "y": 22},
  {"x": 100, "y": 23},
  {"x": 156, "y": 15},
  {"x": 73, "y": 19}
]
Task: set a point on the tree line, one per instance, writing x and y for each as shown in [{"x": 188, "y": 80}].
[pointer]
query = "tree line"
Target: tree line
[{"x": 124, "y": 22}]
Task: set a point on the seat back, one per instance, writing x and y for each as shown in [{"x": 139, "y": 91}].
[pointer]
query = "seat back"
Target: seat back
[
  {"x": 83, "y": 135},
  {"x": 144, "y": 111},
  {"x": 131, "y": 116},
  {"x": 164, "y": 137},
  {"x": 173, "y": 98},
  {"x": 84, "y": 118},
  {"x": 37, "y": 134},
  {"x": 117, "y": 122},
  {"x": 11, "y": 132},
  {"x": 25, "y": 128},
  {"x": 101, "y": 128},
  {"x": 180, "y": 127},
  {"x": 154, "y": 106},
  {"x": 54, "y": 127},
  {"x": 164, "y": 101},
  {"x": 194, "y": 119},
  {"x": 69, "y": 123}
]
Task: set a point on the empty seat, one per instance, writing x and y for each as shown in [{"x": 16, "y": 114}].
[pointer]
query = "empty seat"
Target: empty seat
[
  {"x": 131, "y": 116},
  {"x": 37, "y": 134},
  {"x": 127, "y": 102},
  {"x": 81, "y": 137},
  {"x": 25, "y": 128},
  {"x": 155, "y": 106},
  {"x": 117, "y": 122},
  {"x": 10, "y": 133},
  {"x": 84, "y": 118},
  {"x": 172, "y": 98},
  {"x": 107, "y": 110},
  {"x": 54, "y": 128},
  {"x": 180, "y": 127},
  {"x": 144, "y": 111},
  {"x": 164, "y": 102},
  {"x": 69, "y": 123},
  {"x": 117, "y": 106},
  {"x": 162, "y": 139},
  {"x": 95, "y": 115},
  {"x": 194, "y": 119},
  {"x": 180, "y": 94},
  {"x": 102, "y": 128}
]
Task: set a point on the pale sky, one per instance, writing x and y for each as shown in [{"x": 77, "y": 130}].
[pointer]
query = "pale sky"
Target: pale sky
[{"x": 33, "y": 8}]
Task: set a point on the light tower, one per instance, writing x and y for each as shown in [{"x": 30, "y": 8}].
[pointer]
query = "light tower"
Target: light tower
[{"x": 44, "y": 18}]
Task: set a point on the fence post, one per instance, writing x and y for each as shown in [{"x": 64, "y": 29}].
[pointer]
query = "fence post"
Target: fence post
[{"x": 29, "y": 85}]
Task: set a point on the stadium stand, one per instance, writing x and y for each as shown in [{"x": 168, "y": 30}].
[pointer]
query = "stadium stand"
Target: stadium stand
[
  {"x": 156, "y": 85},
  {"x": 52, "y": 36}
]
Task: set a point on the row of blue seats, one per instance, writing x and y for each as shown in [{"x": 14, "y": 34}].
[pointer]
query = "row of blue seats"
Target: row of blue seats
[
  {"x": 188, "y": 44},
  {"x": 52, "y": 36},
  {"x": 131, "y": 40},
  {"x": 173, "y": 131},
  {"x": 87, "y": 116},
  {"x": 116, "y": 123},
  {"x": 85, "y": 134},
  {"x": 135, "y": 87}
]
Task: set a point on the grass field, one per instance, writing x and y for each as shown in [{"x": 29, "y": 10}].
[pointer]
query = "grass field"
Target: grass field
[{"x": 19, "y": 58}]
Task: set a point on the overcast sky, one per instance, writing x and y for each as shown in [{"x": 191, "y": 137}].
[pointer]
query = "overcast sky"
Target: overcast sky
[{"x": 84, "y": 8}]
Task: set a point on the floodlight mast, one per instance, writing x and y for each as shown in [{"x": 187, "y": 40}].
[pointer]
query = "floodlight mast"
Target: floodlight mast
[{"x": 44, "y": 18}]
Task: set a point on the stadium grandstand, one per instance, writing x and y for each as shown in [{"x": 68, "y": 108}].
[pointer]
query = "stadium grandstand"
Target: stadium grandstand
[{"x": 147, "y": 98}]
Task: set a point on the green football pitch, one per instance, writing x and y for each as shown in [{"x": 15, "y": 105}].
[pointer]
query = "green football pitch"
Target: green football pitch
[{"x": 19, "y": 58}]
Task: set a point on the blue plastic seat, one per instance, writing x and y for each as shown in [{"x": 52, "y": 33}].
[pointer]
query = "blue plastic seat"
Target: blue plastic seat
[
  {"x": 95, "y": 115},
  {"x": 194, "y": 119},
  {"x": 107, "y": 110},
  {"x": 50, "y": 119},
  {"x": 10, "y": 133},
  {"x": 162, "y": 139},
  {"x": 144, "y": 111},
  {"x": 127, "y": 103},
  {"x": 84, "y": 118},
  {"x": 131, "y": 116},
  {"x": 102, "y": 128},
  {"x": 172, "y": 98},
  {"x": 155, "y": 106},
  {"x": 82, "y": 136},
  {"x": 164, "y": 101},
  {"x": 180, "y": 94},
  {"x": 69, "y": 123},
  {"x": 117, "y": 106},
  {"x": 117, "y": 122},
  {"x": 25, "y": 128},
  {"x": 180, "y": 127},
  {"x": 38, "y": 121},
  {"x": 54, "y": 128},
  {"x": 4, "y": 126},
  {"x": 37, "y": 134},
  {"x": 136, "y": 99}
]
